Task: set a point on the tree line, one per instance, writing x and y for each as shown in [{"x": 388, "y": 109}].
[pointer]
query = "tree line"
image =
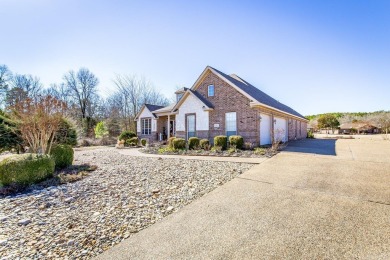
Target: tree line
[{"x": 80, "y": 101}]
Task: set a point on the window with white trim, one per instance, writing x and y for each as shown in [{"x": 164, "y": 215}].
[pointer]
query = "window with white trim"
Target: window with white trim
[
  {"x": 146, "y": 126},
  {"x": 231, "y": 123},
  {"x": 210, "y": 91}
]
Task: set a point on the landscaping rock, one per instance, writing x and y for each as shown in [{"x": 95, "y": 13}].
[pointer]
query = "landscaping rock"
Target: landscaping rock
[{"x": 82, "y": 219}]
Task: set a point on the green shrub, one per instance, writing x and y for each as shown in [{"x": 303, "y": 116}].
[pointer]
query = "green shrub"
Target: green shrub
[
  {"x": 101, "y": 130},
  {"x": 125, "y": 135},
  {"x": 204, "y": 144},
  {"x": 193, "y": 143},
  {"x": 62, "y": 155},
  {"x": 10, "y": 137},
  {"x": 221, "y": 140},
  {"x": 66, "y": 134},
  {"x": 260, "y": 151},
  {"x": 310, "y": 134},
  {"x": 179, "y": 143},
  {"x": 143, "y": 142},
  {"x": 132, "y": 141},
  {"x": 26, "y": 169},
  {"x": 237, "y": 141},
  {"x": 170, "y": 141}
]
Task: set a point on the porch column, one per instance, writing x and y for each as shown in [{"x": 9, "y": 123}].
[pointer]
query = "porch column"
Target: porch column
[{"x": 169, "y": 127}]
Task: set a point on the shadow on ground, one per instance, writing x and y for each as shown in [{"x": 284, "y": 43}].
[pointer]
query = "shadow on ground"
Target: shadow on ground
[{"x": 313, "y": 146}]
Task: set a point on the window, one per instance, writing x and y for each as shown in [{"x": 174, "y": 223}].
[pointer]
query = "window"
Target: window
[
  {"x": 211, "y": 91},
  {"x": 146, "y": 126},
  {"x": 231, "y": 123},
  {"x": 191, "y": 129}
]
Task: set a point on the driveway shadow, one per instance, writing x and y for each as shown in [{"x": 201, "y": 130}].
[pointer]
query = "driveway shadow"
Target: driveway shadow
[{"x": 313, "y": 146}]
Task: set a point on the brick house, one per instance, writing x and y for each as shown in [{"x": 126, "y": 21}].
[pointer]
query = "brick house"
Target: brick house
[{"x": 221, "y": 104}]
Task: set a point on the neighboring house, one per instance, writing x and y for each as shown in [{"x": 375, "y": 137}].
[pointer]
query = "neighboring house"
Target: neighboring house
[
  {"x": 358, "y": 128},
  {"x": 220, "y": 104}
]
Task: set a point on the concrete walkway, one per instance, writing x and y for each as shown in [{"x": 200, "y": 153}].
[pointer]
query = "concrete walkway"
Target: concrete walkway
[
  {"x": 136, "y": 152},
  {"x": 292, "y": 206}
]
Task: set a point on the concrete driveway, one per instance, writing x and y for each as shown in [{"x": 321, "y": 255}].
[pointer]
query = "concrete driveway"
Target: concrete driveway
[{"x": 293, "y": 206}]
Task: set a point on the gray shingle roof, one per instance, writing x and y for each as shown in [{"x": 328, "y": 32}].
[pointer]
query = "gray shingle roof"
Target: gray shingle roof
[
  {"x": 153, "y": 107},
  {"x": 257, "y": 94},
  {"x": 201, "y": 98}
]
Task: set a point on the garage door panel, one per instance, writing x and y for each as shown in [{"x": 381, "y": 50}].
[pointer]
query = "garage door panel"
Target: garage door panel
[
  {"x": 265, "y": 129},
  {"x": 280, "y": 129}
]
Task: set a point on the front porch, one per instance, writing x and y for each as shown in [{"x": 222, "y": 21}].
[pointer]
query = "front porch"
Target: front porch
[{"x": 166, "y": 127}]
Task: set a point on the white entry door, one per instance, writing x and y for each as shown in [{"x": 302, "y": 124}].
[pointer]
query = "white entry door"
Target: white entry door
[
  {"x": 265, "y": 129},
  {"x": 280, "y": 129}
]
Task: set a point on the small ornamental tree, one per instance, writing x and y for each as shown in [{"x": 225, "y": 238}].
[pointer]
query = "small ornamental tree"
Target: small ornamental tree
[
  {"x": 328, "y": 121},
  {"x": 38, "y": 121},
  {"x": 101, "y": 130}
]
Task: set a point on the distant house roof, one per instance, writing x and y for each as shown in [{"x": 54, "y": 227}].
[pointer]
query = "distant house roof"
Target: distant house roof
[
  {"x": 257, "y": 94},
  {"x": 357, "y": 125}
]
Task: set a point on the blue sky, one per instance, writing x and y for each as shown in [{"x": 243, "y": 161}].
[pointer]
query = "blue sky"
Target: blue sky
[{"x": 315, "y": 56}]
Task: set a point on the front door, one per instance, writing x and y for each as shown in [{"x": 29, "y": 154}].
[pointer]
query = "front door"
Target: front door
[
  {"x": 190, "y": 126},
  {"x": 172, "y": 131}
]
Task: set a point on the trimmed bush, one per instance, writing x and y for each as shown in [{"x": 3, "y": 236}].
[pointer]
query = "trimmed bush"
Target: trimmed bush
[
  {"x": 193, "y": 142},
  {"x": 125, "y": 135},
  {"x": 26, "y": 169},
  {"x": 221, "y": 140},
  {"x": 179, "y": 143},
  {"x": 204, "y": 144},
  {"x": 132, "y": 141},
  {"x": 143, "y": 142},
  {"x": 62, "y": 155},
  {"x": 237, "y": 141},
  {"x": 170, "y": 141}
]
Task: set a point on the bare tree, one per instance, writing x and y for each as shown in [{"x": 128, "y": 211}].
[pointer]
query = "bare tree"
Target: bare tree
[
  {"x": 39, "y": 121},
  {"x": 83, "y": 88},
  {"x": 22, "y": 87},
  {"x": 132, "y": 92}
]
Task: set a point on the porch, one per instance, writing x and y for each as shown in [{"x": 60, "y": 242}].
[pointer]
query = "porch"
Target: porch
[{"x": 166, "y": 127}]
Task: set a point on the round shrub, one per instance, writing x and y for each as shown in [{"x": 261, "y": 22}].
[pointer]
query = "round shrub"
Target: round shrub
[
  {"x": 204, "y": 144},
  {"x": 221, "y": 141},
  {"x": 125, "y": 135},
  {"x": 236, "y": 140},
  {"x": 170, "y": 141},
  {"x": 193, "y": 142},
  {"x": 26, "y": 169},
  {"x": 179, "y": 143},
  {"x": 143, "y": 142},
  {"x": 62, "y": 155},
  {"x": 132, "y": 141}
]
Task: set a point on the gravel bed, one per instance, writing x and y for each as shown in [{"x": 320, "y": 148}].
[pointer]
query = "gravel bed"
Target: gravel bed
[{"x": 124, "y": 195}]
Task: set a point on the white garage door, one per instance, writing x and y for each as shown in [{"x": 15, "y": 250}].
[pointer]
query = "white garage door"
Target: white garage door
[
  {"x": 280, "y": 129},
  {"x": 265, "y": 129}
]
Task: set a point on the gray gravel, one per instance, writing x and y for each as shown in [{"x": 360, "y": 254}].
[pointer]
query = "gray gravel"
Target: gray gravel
[{"x": 126, "y": 194}]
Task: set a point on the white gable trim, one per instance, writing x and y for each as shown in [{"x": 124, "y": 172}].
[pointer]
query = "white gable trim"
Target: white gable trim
[
  {"x": 186, "y": 94},
  {"x": 140, "y": 112}
]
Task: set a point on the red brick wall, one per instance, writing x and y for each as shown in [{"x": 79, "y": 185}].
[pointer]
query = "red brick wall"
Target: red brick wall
[{"x": 227, "y": 99}]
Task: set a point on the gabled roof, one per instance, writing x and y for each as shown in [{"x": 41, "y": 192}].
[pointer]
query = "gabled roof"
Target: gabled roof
[
  {"x": 253, "y": 93},
  {"x": 153, "y": 107},
  {"x": 206, "y": 103},
  {"x": 150, "y": 107}
]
